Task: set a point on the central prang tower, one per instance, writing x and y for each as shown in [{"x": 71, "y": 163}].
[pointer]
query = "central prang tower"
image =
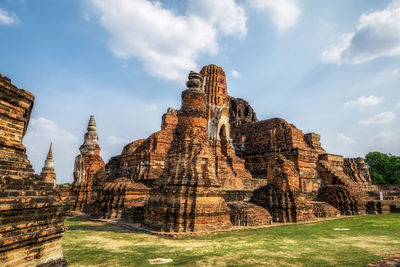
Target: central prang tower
[
  {"x": 214, "y": 85},
  {"x": 229, "y": 168}
]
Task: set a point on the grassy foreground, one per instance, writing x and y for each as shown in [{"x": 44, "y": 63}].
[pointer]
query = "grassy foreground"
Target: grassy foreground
[{"x": 353, "y": 241}]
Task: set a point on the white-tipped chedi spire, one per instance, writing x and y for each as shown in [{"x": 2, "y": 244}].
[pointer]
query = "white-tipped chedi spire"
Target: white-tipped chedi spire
[
  {"x": 91, "y": 138},
  {"x": 48, "y": 173},
  {"x": 49, "y": 162}
]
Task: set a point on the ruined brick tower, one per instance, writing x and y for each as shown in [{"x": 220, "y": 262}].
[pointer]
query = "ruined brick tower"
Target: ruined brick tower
[
  {"x": 31, "y": 218},
  {"x": 88, "y": 165},
  {"x": 214, "y": 84},
  {"x": 188, "y": 196},
  {"x": 48, "y": 174},
  {"x": 230, "y": 169}
]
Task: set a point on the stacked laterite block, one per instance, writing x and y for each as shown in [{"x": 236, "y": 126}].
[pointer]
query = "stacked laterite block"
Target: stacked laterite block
[
  {"x": 257, "y": 142},
  {"x": 143, "y": 160},
  {"x": 324, "y": 210},
  {"x": 248, "y": 214},
  {"x": 31, "y": 218},
  {"x": 338, "y": 189},
  {"x": 85, "y": 191},
  {"x": 357, "y": 170},
  {"x": 119, "y": 197},
  {"x": 240, "y": 112},
  {"x": 282, "y": 196}
]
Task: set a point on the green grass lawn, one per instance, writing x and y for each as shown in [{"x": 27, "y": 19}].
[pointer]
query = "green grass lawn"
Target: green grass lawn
[{"x": 369, "y": 238}]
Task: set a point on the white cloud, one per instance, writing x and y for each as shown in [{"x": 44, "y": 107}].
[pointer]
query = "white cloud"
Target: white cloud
[
  {"x": 235, "y": 74},
  {"x": 44, "y": 128},
  {"x": 285, "y": 13},
  {"x": 388, "y": 141},
  {"x": 381, "y": 118},
  {"x": 40, "y": 133},
  {"x": 168, "y": 44},
  {"x": 334, "y": 52},
  {"x": 365, "y": 101},
  {"x": 114, "y": 140},
  {"x": 391, "y": 72},
  {"x": 7, "y": 19},
  {"x": 226, "y": 15},
  {"x": 377, "y": 35},
  {"x": 153, "y": 106},
  {"x": 344, "y": 140}
]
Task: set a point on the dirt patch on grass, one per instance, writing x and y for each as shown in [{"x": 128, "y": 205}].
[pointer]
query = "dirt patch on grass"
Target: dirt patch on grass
[
  {"x": 106, "y": 243},
  {"x": 370, "y": 243},
  {"x": 176, "y": 243}
]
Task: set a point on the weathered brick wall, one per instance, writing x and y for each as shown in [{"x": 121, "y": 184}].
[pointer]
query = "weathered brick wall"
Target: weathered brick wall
[
  {"x": 339, "y": 189},
  {"x": 281, "y": 196},
  {"x": 144, "y": 159},
  {"x": 31, "y": 218},
  {"x": 240, "y": 112},
  {"x": 85, "y": 191},
  {"x": 248, "y": 214},
  {"x": 215, "y": 86},
  {"x": 118, "y": 197},
  {"x": 357, "y": 170},
  {"x": 267, "y": 136}
]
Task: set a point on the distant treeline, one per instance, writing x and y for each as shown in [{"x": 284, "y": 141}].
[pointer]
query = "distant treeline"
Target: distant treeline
[{"x": 384, "y": 168}]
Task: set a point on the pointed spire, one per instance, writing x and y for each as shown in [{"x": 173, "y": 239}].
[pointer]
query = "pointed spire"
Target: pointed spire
[
  {"x": 91, "y": 124},
  {"x": 50, "y": 154},
  {"x": 48, "y": 173},
  {"x": 49, "y": 163}
]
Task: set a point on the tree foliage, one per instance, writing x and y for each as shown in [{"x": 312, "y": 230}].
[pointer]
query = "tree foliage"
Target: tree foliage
[{"x": 384, "y": 168}]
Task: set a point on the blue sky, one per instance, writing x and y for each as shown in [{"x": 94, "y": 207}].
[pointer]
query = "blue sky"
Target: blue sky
[{"x": 330, "y": 67}]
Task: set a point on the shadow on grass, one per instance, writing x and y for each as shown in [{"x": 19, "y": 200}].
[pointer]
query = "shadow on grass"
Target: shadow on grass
[{"x": 83, "y": 223}]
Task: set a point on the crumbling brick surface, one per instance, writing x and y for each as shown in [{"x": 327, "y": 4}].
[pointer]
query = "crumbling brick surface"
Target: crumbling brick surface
[
  {"x": 187, "y": 197},
  {"x": 31, "y": 218},
  {"x": 324, "y": 210},
  {"x": 85, "y": 189},
  {"x": 89, "y": 171},
  {"x": 118, "y": 197},
  {"x": 281, "y": 196},
  {"x": 248, "y": 214},
  {"x": 144, "y": 159},
  {"x": 357, "y": 170},
  {"x": 240, "y": 112},
  {"x": 339, "y": 189}
]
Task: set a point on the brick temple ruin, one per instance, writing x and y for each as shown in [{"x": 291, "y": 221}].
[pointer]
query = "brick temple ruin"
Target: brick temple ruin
[
  {"x": 214, "y": 166},
  {"x": 31, "y": 214}
]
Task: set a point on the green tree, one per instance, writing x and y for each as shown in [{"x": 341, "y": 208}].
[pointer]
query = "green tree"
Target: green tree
[{"x": 384, "y": 168}]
